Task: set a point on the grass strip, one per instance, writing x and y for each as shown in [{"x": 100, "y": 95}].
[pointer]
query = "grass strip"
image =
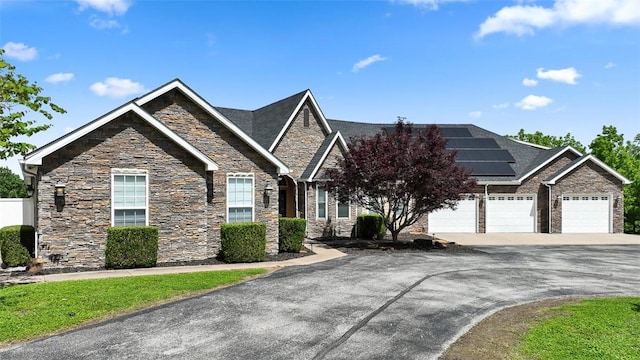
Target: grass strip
[
  {"x": 28, "y": 311},
  {"x": 590, "y": 329}
]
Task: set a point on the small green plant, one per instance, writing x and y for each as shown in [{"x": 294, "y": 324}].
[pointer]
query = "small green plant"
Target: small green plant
[
  {"x": 370, "y": 226},
  {"x": 17, "y": 244},
  {"x": 243, "y": 242},
  {"x": 291, "y": 234},
  {"x": 131, "y": 247}
]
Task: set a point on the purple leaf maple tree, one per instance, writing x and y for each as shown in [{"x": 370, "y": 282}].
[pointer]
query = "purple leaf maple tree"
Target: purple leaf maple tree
[{"x": 401, "y": 173}]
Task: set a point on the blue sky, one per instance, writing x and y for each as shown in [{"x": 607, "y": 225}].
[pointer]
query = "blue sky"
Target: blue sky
[{"x": 554, "y": 66}]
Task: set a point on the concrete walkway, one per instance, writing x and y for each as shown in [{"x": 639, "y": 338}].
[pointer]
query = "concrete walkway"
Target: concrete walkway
[
  {"x": 322, "y": 253},
  {"x": 518, "y": 239}
]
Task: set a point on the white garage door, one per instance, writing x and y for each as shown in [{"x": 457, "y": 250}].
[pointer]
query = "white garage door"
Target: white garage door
[
  {"x": 463, "y": 219},
  {"x": 585, "y": 213},
  {"x": 511, "y": 213}
]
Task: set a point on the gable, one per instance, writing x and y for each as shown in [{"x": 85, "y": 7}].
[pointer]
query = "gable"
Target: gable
[
  {"x": 313, "y": 105},
  {"x": 35, "y": 157},
  {"x": 177, "y": 85},
  {"x": 304, "y": 136},
  {"x": 326, "y": 157},
  {"x": 591, "y": 162}
]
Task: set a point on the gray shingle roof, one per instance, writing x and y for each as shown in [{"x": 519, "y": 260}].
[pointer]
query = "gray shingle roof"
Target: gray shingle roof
[
  {"x": 265, "y": 123},
  {"x": 526, "y": 157}
]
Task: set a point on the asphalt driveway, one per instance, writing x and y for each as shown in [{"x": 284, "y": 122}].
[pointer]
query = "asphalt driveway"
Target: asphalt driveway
[{"x": 399, "y": 306}]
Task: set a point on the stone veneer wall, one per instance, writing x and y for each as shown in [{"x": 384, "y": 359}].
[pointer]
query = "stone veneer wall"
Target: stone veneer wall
[
  {"x": 589, "y": 178},
  {"x": 231, "y": 154},
  {"x": 77, "y": 235},
  {"x": 331, "y": 226},
  {"x": 299, "y": 143}
]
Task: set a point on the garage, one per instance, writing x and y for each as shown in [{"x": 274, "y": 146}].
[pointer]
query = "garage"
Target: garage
[
  {"x": 586, "y": 213},
  {"x": 511, "y": 213},
  {"x": 461, "y": 220}
]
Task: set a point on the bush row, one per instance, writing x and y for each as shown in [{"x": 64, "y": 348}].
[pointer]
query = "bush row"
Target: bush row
[
  {"x": 137, "y": 246},
  {"x": 17, "y": 245}
]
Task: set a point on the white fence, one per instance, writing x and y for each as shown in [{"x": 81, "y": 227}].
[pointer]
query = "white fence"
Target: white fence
[{"x": 16, "y": 212}]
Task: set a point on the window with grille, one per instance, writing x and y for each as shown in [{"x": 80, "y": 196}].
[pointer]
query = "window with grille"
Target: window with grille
[
  {"x": 240, "y": 198},
  {"x": 129, "y": 200},
  {"x": 321, "y": 201}
]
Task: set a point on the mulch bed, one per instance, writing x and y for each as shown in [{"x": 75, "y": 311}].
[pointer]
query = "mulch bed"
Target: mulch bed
[
  {"x": 405, "y": 243},
  {"x": 210, "y": 261}
]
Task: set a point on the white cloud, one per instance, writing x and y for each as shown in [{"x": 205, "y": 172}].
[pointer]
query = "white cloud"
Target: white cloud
[
  {"x": 19, "y": 51},
  {"x": 428, "y": 4},
  {"x": 366, "y": 62},
  {"x": 475, "y": 114},
  {"x": 529, "y": 82},
  {"x": 568, "y": 75},
  {"x": 100, "y": 24},
  {"x": 525, "y": 19},
  {"x": 111, "y": 7},
  {"x": 500, "y": 106},
  {"x": 116, "y": 87},
  {"x": 59, "y": 77},
  {"x": 532, "y": 102},
  {"x": 610, "y": 65}
]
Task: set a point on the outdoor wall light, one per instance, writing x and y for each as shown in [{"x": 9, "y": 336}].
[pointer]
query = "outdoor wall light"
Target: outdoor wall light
[
  {"x": 266, "y": 195},
  {"x": 59, "y": 195},
  {"x": 268, "y": 190},
  {"x": 30, "y": 188},
  {"x": 559, "y": 197}
]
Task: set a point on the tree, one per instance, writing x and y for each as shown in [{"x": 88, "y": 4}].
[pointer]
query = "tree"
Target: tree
[
  {"x": 549, "y": 140},
  {"x": 625, "y": 159},
  {"x": 11, "y": 185},
  {"x": 17, "y": 97},
  {"x": 401, "y": 175}
]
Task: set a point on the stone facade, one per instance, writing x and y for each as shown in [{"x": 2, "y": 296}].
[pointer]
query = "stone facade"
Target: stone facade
[
  {"x": 299, "y": 142},
  {"x": 532, "y": 185},
  {"x": 589, "y": 179},
  {"x": 232, "y": 154},
  {"x": 76, "y": 235}
]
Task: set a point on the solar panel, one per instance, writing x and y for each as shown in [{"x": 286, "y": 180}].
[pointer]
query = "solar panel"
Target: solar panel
[
  {"x": 455, "y": 132},
  {"x": 472, "y": 143},
  {"x": 496, "y": 155},
  {"x": 488, "y": 168}
]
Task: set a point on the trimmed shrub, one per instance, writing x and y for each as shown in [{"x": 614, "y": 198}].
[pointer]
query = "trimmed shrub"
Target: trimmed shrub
[
  {"x": 17, "y": 244},
  {"x": 131, "y": 247},
  {"x": 370, "y": 226},
  {"x": 243, "y": 242},
  {"x": 291, "y": 235}
]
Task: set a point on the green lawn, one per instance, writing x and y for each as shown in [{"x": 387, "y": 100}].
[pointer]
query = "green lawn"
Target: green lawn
[
  {"x": 28, "y": 311},
  {"x": 590, "y": 329}
]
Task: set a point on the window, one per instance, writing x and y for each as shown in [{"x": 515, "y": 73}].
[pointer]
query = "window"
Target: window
[
  {"x": 322, "y": 203},
  {"x": 306, "y": 117},
  {"x": 129, "y": 200},
  {"x": 240, "y": 198},
  {"x": 343, "y": 209}
]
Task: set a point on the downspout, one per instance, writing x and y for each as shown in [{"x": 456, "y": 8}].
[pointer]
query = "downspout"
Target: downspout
[
  {"x": 306, "y": 207},
  {"x": 550, "y": 209},
  {"x": 34, "y": 197},
  {"x": 486, "y": 201}
]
